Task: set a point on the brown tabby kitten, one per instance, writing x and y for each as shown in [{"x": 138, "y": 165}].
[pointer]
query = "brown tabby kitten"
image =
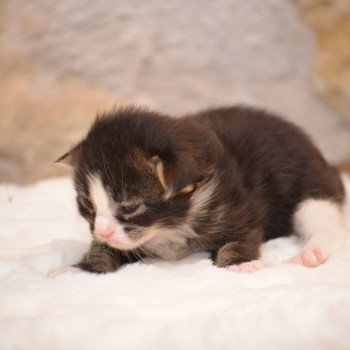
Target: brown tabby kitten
[{"x": 223, "y": 180}]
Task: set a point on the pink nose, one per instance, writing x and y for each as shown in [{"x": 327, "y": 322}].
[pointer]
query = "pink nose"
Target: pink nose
[
  {"x": 103, "y": 226},
  {"x": 105, "y": 233}
]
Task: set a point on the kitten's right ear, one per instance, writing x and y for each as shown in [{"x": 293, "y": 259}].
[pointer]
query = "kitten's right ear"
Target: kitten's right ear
[
  {"x": 66, "y": 160},
  {"x": 176, "y": 176}
]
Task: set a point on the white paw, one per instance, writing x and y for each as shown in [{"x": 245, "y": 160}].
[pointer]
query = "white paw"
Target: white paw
[
  {"x": 63, "y": 269},
  {"x": 250, "y": 266},
  {"x": 309, "y": 258}
]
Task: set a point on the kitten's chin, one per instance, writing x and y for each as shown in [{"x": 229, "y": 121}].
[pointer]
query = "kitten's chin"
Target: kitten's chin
[
  {"x": 122, "y": 243},
  {"x": 122, "y": 246}
]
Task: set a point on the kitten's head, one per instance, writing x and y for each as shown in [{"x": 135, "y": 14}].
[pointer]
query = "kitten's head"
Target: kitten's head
[{"x": 136, "y": 172}]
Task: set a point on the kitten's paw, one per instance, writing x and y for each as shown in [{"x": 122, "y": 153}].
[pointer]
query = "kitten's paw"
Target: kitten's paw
[
  {"x": 63, "y": 269},
  {"x": 250, "y": 266},
  {"x": 308, "y": 258}
]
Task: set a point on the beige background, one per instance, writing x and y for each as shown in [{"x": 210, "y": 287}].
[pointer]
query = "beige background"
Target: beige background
[{"x": 61, "y": 61}]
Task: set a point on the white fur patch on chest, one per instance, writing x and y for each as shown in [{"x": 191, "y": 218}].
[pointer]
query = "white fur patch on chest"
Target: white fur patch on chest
[
  {"x": 173, "y": 243},
  {"x": 169, "y": 243}
]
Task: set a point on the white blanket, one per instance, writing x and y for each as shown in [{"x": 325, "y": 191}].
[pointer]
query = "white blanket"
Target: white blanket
[{"x": 189, "y": 304}]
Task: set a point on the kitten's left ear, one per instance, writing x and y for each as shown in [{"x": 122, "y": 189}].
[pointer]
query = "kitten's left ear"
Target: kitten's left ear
[{"x": 66, "y": 159}]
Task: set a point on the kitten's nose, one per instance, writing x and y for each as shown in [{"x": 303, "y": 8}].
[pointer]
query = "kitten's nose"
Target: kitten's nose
[{"x": 103, "y": 226}]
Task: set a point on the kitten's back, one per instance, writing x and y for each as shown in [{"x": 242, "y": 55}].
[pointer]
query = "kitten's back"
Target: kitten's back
[{"x": 278, "y": 161}]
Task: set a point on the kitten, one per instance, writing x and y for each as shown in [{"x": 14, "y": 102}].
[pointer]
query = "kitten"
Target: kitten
[{"x": 223, "y": 181}]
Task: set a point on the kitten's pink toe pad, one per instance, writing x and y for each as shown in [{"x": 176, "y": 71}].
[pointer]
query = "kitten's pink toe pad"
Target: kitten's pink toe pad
[
  {"x": 309, "y": 258},
  {"x": 250, "y": 266},
  {"x": 63, "y": 269},
  {"x": 233, "y": 268}
]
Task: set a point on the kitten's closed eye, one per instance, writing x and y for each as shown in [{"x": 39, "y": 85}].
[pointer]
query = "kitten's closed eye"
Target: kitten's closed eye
[{"x": 129, "y": 209}]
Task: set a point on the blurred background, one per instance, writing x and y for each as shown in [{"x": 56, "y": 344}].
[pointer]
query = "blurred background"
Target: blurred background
[{"x": 62, "y": 61}]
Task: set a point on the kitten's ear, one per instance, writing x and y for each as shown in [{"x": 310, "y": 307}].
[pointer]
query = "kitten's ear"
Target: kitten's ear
[
  {"x": 66, "y": 160},
  {"x": 176, "y": 175}
]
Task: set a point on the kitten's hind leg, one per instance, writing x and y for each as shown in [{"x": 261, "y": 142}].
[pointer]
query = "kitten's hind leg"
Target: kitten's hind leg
[{"x": 322, "y": 225}]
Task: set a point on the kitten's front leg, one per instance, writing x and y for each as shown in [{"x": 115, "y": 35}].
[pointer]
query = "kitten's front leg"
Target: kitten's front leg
[
  {"x": 235, "y": 253},
  {"x": 102, "y": 258},
  {"x": 99, "y": 259},
  {"x": 240, "y": 256}
]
